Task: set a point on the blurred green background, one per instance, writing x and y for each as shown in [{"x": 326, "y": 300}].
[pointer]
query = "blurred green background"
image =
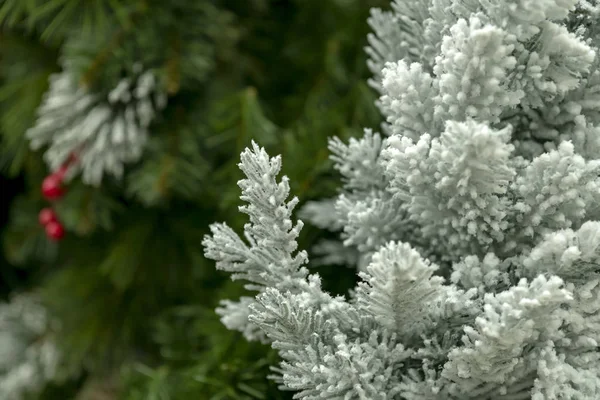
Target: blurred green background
[{"x": 132, "y": 293}]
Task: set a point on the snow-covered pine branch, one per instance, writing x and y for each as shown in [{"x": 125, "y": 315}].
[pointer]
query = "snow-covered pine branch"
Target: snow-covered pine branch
[
  {"x": 475, "y": 216},
  {"x": 104, "y": 131}
]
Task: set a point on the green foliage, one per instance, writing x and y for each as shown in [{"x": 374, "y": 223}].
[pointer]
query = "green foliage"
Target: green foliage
[
  {"x": 24, "y": 69},
  {"x": 129, "y": 284},
  {"x": 203, "y": 357},
  {"x": 181, "y": 40},
  {"x": 52, "y": 20}
]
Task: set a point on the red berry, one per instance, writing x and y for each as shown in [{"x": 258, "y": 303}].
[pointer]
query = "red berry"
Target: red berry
[
  {"x": 51, "y": 187},
  {"x": 46, "y": 216},
  {"x": 55, "y": 231}
]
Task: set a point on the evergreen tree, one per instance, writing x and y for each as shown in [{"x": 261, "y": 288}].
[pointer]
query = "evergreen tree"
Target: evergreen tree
[
  {"x": 120, "y": 126},
  {"x": 473, "y": 218}
]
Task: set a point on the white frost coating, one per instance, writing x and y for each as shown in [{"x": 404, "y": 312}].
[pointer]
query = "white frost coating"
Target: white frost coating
[
  {"x": 28, "y": 358},
  {"x": 475, "y": 224},
  {"x": 104, "y": 132}
]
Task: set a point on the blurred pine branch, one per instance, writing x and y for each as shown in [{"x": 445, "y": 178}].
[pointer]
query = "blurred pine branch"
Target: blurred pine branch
[{"x": 129, "y": 283}]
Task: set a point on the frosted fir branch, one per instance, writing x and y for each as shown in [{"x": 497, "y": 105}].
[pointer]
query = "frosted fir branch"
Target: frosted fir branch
[
  {"x": 104, "y": 132},
  {"x": 471, "y": 72},
  {"x": 397, "y": 290},
  {"x": 584, "y": 327},
  {"x": 267, "y": 259},
  {"x": 485, "y": 274},
  {"x": 352, "y": 368},
  {"x": 322, "y": 214},
  {"x": 571, "y": 57},
  {"x": 407, "y": 100},
  {"x": 397, "y": 34},
  {"x": 572, "y": 255},
  {"x": 574, "y": 116},
  {"x": 291, "y": 321},
  {"x": 583, "y": 17},
  {"x": 372, "y": 219},
  {"x": 366, "y": 212},
  {"x": 29, "y": 359},
  {"x": 526, "y": 63},
  {"x": 555, "y": 192},
  {"x": 234, "y": 315},
  {"x": 413, "y": 31},
  {"x": 400, "y": 293},
  {"x": 358, "y": 211},
  {"x": 494, "y": 348},
  {"x": 423, "y": 384},
  {"x": 358, "y": 161},
  {"x": 523, "y": 17},
  {"x": 454, "y": 185},
  {"x": 543, "y": 72},
  {"x": 489, "y": 172},
  {"x": 558, "y": 379}
]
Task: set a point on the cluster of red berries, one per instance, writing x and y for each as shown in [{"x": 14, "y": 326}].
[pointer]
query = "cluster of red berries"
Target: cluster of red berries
[
  {"x": 49, "y": 220},
  {"x": 52, "y": 185},
  {"x": 52, "y": 189}
]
